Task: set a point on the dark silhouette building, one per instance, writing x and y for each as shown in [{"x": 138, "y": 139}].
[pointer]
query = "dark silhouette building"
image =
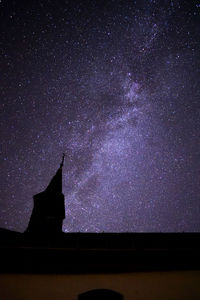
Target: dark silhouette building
[
  {"x": 94, "y": 265},
  {"x": 49, "y": 208}
]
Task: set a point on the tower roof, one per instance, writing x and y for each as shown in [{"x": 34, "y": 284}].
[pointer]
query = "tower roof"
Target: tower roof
[{"x": 55, "y": 185}]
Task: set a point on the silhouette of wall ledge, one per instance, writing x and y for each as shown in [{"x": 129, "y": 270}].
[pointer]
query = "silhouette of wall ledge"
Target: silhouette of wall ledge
[{"x": 100, "y": 294}]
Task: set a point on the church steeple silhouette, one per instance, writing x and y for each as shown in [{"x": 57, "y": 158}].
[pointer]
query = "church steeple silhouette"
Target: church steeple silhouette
[{"x": 49, "y": 208}]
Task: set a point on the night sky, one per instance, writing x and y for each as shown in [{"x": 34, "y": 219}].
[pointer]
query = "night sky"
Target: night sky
[{"x": 114, "y": 85}]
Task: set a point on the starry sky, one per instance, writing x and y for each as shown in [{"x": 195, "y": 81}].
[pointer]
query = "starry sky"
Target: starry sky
[{"x": 114, "y": 85}]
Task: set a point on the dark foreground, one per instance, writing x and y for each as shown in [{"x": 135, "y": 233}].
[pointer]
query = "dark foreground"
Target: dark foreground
[{"x": 99, "y": 252}]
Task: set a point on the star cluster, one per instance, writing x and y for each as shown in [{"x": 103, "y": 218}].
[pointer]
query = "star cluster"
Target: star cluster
[{"x": 115, "y": 85}]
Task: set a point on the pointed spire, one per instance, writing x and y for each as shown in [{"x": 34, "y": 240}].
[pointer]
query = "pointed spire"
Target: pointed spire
[
  {"x": 55, "y": 185},
  {"x": 62, "y": 162}
]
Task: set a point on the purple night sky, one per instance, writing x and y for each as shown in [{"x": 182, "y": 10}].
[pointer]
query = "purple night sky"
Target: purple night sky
[{"x": 114, "y": 85}]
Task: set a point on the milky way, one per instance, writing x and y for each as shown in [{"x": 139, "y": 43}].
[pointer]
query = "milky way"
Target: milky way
[{"x": 115, "y": 86}]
